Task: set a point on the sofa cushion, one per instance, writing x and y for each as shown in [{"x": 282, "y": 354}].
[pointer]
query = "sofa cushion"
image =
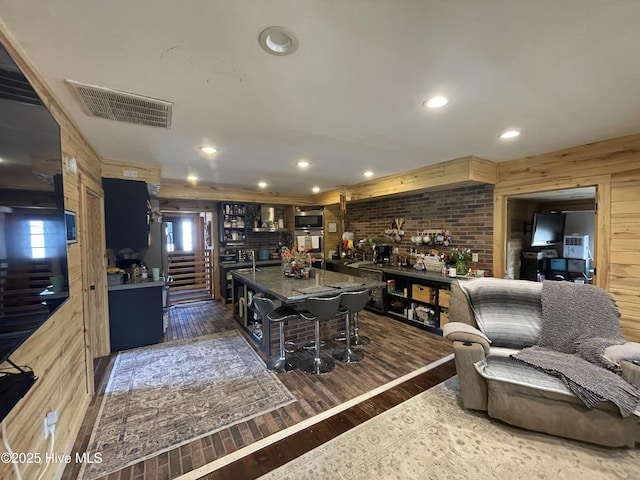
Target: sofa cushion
[
  {"x": 509, "y": 312},
  {"x": 506, "y": 369}
]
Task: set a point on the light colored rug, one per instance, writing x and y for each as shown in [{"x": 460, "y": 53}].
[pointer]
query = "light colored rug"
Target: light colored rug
[
  {"x": 431, "y": 436},
  {"x": 167, "y": 395}
]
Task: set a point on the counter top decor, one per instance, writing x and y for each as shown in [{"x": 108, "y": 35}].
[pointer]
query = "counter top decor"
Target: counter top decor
[
  {"x": 461, "y": 256},
  {"x": 296, "y": 262}
]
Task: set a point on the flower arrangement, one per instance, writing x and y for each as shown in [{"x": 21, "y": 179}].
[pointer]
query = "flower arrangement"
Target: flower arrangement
[
  {"x": 460, "y": 254},
  {"x": 299, "y": 258}
]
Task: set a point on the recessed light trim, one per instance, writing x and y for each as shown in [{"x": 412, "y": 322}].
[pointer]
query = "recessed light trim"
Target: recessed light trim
[
  {"x": 315, "y": 189},
  {"x": 436, "y": 102},
  {"x": 262, "y": 184},
  {"x": 368, "y": 173},
  {"x": 303, "y": 164},
  {"x": 208, "y": 150},
  {"x": 278, "y": 41},
  {"x": 192, "y": 178},
  {"x": 510, "y": 134}
]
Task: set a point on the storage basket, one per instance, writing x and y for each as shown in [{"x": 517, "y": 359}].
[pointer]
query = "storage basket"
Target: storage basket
[
  {"x": 423, "y": 293},
  {"x": 114, "y": 278}
]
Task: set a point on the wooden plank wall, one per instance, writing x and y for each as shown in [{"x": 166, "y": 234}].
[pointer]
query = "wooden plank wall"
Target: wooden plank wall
[
  {"x": 56, "y": 352},
  {"x": 611, "y": 166},
  {"x": 624, "y": 272}
]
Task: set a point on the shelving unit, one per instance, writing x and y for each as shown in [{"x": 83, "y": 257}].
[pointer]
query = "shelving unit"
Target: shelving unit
[
  {"x": 233, "y": 227},
  {"x": 419, "y": 303}
]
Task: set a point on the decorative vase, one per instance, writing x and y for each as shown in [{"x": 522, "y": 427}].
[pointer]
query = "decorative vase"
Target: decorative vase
[
  {"x": 290, "y": 270},
  {"x": 461, "y": 267}
]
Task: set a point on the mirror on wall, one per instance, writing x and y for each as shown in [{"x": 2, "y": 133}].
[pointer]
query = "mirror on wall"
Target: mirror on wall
[{"x": 33, "y": 248}]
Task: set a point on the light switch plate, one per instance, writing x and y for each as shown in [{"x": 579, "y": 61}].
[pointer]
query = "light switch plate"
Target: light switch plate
[{"x": 474, "y": 257}]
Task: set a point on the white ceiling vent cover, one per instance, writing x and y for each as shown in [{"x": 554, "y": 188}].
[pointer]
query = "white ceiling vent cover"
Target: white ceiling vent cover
[{"x": 122, "y": 106}]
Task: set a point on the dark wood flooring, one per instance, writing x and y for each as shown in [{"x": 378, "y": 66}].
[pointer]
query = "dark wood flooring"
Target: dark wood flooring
[{"x": 396, "y": 350}]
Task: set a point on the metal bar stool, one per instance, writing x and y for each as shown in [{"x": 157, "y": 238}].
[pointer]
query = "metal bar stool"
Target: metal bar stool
[
  {"x": 350, "y": 304},
  {"x": 276, "y": 313},
  {"x": 317, "y": 309},
  {"x": 357, "y": 339}
]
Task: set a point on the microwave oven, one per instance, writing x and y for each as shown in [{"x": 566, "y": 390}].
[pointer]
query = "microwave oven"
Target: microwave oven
[{"x": 310, "y": 219}]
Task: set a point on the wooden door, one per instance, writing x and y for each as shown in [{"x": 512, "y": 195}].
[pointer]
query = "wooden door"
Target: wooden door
[{"x": 94, "y": 281}]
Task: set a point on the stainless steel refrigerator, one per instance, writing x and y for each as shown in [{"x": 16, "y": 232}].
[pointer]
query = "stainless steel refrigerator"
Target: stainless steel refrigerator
[{"x": 157, "y": 256}]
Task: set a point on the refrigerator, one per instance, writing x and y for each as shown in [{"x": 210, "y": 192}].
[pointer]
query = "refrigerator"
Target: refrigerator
[{"x": 157, "y": 256}]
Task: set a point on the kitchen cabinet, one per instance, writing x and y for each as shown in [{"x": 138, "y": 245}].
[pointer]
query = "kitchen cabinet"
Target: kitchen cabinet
[
  {"x": 232, "y": 229},
  {"x": 126, "y": 213},
  {"x": 135, "y": 315}
]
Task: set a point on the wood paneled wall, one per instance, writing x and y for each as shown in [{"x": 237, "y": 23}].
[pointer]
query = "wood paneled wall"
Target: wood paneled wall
[
  {"x": 57, "y": 351},
  {"x": 624, "y": 271},
  {"x": 612, "y": 167}
]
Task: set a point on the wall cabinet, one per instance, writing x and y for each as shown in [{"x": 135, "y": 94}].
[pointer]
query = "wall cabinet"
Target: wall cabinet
[{"x": 126, "y": 213}]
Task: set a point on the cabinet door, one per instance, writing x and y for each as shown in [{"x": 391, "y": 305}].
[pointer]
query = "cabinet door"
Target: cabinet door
[{"x": 126, "y": 213}]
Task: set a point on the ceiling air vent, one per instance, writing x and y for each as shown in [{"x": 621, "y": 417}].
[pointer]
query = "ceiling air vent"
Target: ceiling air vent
[{"x": 122, "y": 106}]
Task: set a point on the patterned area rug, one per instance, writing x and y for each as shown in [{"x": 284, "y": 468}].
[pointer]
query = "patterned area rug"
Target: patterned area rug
[
  {"x": 431, "y": 436},
  {"x": 167, "y": 395}
]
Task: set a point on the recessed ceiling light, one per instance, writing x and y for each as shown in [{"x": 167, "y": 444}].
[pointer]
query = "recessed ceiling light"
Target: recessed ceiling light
[
  {"x": 303, "y": 164},
  {"x": 208, "y": 150},
  {"x": 192, "y": 178},
  {"x": 509, "y": 134},
  {"x": 436, "y": 102},
  {"x": 315, "y": 189},
  {"x": 262, "y": 184},
  {"x": 278, "y": 41},
  {"x": 368, "y": 173}
]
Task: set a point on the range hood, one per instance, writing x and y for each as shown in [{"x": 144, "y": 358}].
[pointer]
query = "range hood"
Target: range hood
[{"x": 268, "y": 219}]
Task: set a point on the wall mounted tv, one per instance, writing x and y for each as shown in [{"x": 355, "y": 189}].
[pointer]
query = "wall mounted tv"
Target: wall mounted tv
[
  {"x": 548, "y": 228},
  {"x": 33, "y": 243}
]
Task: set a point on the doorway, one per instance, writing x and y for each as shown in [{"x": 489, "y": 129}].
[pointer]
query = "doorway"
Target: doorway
[
  {"x": 578, "y": 208},
  {"x": 189, "y": 264}
]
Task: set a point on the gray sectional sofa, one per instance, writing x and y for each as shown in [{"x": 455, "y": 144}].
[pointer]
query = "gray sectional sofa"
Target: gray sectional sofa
[{"x": 490, "y": 330}]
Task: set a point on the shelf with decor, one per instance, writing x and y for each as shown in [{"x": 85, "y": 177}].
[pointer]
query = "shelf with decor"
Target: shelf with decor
[
  {"x": 233, "y": 227},
  {"x": 417, "y": 302}
]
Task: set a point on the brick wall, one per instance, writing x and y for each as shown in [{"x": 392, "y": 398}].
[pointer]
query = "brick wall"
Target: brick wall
[{"x": 467, "y": 212}]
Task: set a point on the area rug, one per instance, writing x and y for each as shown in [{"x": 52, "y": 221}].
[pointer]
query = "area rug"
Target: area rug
[
  {"x": 431, "y": 436},
  {"x": 161, "y": 397}
]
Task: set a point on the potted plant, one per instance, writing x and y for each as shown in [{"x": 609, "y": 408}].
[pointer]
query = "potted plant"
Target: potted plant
[{"x": 460, "y": 256}]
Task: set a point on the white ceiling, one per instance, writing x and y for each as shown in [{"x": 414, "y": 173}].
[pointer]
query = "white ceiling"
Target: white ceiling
[{"x": 349, "y": 99}]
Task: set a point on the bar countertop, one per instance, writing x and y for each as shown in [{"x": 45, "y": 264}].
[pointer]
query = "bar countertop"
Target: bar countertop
[
  {"x": 402, "y": 271},
  {"x": 130, "y": 286},
  {"x": 290, "y": 290}
]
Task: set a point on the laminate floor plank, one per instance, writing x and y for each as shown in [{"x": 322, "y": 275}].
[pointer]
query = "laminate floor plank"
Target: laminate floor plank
[{"x": 396, "y": 349}]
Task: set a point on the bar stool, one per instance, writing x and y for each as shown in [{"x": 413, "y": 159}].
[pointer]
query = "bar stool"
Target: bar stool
[
  {"x": 357, "y": 339},
  {"x": 276, "y": 313},
  {"x": 317, "y": 309},
  {"x": 350, "y": 304}
]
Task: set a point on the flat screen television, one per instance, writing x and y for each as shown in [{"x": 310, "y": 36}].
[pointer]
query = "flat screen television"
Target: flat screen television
[
  {"x": 548, "y": 228},
  {"x": 33, "y": 246}
]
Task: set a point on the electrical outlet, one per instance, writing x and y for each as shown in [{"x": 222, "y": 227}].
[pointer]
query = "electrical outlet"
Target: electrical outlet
[
  {"x": 474, "y": 257},
  {"x": 50, "y": 421}
]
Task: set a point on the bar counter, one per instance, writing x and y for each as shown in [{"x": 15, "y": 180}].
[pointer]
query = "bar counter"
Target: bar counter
[{"x": 291, "y": 291}]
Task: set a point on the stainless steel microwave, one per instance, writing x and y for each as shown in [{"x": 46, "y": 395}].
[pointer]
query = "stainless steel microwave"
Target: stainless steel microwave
[{"x": 309, "y": 219}]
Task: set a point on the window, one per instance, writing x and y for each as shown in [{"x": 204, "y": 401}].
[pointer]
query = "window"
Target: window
[
  {"x": 187, "y": 236},
  {"x": 36, "y": 235},
  {"x": 170, "y": 245}
]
